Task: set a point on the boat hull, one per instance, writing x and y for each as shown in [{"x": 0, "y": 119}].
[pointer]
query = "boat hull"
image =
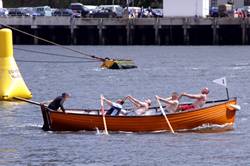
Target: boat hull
[
  {"x": 118, "y": 64},
  {"x": 219, "y": 113}
]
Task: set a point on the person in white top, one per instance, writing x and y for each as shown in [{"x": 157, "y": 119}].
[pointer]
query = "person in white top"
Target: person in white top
[
  {"x": 200, "y": 99},
  {"x": 116, "y": 108},
  {"x": 171, "y": 102}
]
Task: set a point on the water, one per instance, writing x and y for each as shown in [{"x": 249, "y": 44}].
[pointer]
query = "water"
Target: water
[{"x": 161, "y": 70}]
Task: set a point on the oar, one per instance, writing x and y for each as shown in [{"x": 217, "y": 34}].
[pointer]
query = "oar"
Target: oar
[
  {"x": 26, "y": 100},
  {"x": 46, "y": 116},
  {"x": 235, "y": 106},
  {"x": 53, "y": 43},
  {"x": 164, "y": 114},
  {"x": 103, "y": 116}
]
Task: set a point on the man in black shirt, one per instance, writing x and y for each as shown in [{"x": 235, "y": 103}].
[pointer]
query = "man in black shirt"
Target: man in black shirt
[{"x": 58, "y": 102}]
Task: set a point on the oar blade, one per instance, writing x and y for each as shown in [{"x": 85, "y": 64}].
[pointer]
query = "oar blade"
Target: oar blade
[{"x": 235, "y": 106}]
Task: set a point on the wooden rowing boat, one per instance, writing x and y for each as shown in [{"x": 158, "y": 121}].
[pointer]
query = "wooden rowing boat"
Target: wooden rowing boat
[{"x": 216, "y": 112}]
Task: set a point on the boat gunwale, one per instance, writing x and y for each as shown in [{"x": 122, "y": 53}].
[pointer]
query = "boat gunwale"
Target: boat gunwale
[{"x": 215, "y": 104}]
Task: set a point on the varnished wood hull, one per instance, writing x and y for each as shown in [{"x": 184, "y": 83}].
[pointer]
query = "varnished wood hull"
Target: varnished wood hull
[{"x": 218, "y": 113}]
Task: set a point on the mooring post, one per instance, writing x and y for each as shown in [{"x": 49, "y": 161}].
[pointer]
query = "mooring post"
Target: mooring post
[
  {"x": 247, "y": 27},
  {"x": 243, "y": 31},
  {"x": 215, "y": 28},
  {"x": 72, "y": 27},
  {"x": 128, "y": 31},
  {"x": 35, "y": 28},
  {"x": 17, "y": 37},
  {"x": 171, "y": 41},
  {"x": 186, "y": 26},
  {"x": 35, "y": 40},
  {"x": 100, "y": 32},
  {"x": 157, "y": 35}
]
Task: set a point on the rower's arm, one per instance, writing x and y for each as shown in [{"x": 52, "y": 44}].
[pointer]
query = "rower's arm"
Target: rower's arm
[
  {"x": 61, "y": 105},
  {"x": 136, "y": 102},
  {"x": 107, "y": 101},
  {"x": 192, "y": 96},
  {"x": 165, "y": 100}
]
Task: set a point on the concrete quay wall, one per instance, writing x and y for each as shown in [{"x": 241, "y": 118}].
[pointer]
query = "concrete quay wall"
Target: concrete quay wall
[{"x": 139, "y": 31}]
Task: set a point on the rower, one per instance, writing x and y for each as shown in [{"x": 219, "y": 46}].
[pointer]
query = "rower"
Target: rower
[
  {"x": 141, "y": 106},
  {"x": 116, "y": 108},
  {"x": 171, "y": 102},
  {"x": 200, "y": 99}
]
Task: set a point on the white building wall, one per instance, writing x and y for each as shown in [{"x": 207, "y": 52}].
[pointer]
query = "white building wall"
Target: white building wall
[
  {"x": 1, "y": 4},
  {"x": 185, "y": 8}
]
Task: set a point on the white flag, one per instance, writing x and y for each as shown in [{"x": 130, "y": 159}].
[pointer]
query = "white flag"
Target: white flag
[{"x": 221, "y": 81}]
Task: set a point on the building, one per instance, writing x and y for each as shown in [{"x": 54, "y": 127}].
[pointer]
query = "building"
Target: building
[
  {"x": 1, "y": 4},
  {"x": 185, "y": 8}
]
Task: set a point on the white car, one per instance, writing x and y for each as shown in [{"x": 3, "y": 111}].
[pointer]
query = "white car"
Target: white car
[{"x": 4, "y": 12}]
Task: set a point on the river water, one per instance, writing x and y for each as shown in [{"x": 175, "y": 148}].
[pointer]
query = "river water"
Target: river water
[{"x": 161, "y": 70}]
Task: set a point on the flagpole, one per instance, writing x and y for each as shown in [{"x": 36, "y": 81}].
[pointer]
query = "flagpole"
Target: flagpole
[
  {"x": 227, "y": 93},
  {"x": 222, "y": 81}
]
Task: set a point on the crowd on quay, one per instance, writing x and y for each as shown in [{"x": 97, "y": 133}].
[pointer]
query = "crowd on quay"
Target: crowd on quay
[{"x": 142, "y": 107}]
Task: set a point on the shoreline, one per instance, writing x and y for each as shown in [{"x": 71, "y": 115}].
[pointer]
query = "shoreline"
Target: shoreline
[{"x": 138, "y": 31}]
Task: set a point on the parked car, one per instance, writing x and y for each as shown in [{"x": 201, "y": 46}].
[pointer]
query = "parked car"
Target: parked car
[
  {"x": 116, "y": 10},
  {"x": 102, "y": 13},
  {"x": 63, "y": 12},
  {"x": 28, "y": 11},
  {"x": 225, "y": 10},
  {"x": 134, "y": 12},
  {"x": 4, "y": 12},
  {"x": 214, "y": 11},
  {"x": 43, "y": 10},
  {"x": 79, "y": 8},
  {"x": 16, "y": 12},
  {"x": 247, "y": 9},
  {"x": 91, "y": 8},
  {"x": 157, "y": 12},
  {"x": 147, "y": 12}
]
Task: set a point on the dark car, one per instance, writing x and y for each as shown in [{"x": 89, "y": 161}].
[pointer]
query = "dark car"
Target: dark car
[
  {"x": 214, "y": 11},
  {"x": 79, "y": 8},
  {"x": 16, "y": 12},
  {"x": 107, "y": 11},
  {"x": 63, "y": 12},
  {"x": 102, "y": 13}
]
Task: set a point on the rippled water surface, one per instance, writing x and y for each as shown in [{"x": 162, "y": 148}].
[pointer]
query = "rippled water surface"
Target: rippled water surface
[{"x": 161, "y": 70}]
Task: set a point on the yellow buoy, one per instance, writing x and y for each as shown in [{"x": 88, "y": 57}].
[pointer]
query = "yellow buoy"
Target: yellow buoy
[{"x": 11, "y": 81}]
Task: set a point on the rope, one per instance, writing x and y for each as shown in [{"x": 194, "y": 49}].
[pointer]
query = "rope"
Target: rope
[
  {"x": 46, "y": 53},
  {"x": 53, "y": 43},
  {"x": 34, "y": 61}
]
